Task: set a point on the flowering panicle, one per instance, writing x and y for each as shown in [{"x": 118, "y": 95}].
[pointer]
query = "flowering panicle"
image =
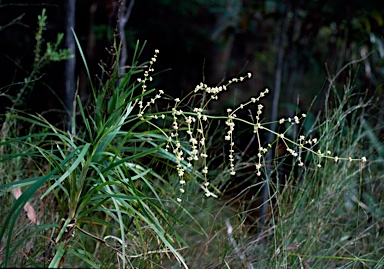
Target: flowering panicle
[
  {"x": 214, "y": 91},
  {"x": 230, "y": 123},
  {"x": 301, "y": 144},
  {"x": 229, "y": 137},
  {"x": 143, "y": 81},
  {"x": 186, "y": 137}
]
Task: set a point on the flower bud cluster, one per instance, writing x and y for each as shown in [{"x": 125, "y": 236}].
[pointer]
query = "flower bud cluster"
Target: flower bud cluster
[
  {"x": 214, "y": 91},
  {"x": 143, "y": 81},
  {"x": 230, "y": 123}
]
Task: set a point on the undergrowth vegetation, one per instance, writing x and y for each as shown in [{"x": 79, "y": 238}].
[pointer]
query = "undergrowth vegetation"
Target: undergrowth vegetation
[{"x": 132, "y": 184}]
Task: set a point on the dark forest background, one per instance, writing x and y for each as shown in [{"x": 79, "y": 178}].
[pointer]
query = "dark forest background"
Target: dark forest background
[
  {"x": 287, "y": 45},
  {"x": 323, "y": 58}
]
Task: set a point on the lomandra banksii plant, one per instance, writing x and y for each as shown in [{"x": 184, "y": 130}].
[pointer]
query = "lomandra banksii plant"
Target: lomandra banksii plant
[
  {"x": 95, "y": 177},
  {"x": 107, "y": 211}
]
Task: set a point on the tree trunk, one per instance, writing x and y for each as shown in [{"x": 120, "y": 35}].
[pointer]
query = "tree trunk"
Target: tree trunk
[{"x": 70, "y": 67}]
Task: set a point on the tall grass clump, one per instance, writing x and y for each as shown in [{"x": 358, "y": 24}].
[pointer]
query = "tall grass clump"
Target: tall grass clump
[
  {"x": 102, "y": 213},
  {"x": 329, "y": 215},
  {"x": 130, "y": 184}
]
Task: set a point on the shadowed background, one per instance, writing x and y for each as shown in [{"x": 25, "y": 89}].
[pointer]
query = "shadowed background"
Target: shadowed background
[{"x": 287, "y": 45}]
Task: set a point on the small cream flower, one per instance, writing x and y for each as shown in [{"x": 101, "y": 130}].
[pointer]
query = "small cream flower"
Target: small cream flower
[{"x": 205, "y": 170}]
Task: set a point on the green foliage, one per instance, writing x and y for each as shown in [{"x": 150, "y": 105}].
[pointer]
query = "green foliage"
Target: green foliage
[
  {"x": 320, "y": 220},
  {"x": 96, "y": 177},
  {"x": 130, "y": 185},
  {"x": 52, "y": 53}
]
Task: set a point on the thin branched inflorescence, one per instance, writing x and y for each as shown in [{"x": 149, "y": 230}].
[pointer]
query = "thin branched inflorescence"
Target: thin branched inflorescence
[
  {"x": 190, "y": 151},
  {"x": 101, "y": 171}
]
